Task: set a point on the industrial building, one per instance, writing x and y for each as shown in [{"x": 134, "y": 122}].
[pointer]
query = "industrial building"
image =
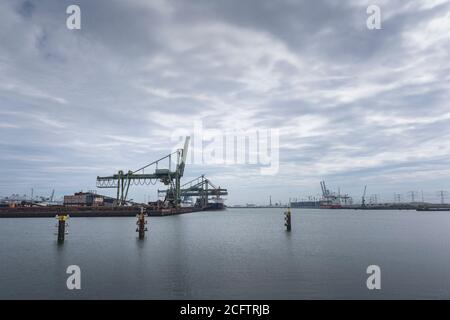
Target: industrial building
[{"x": 88, "y": 199}]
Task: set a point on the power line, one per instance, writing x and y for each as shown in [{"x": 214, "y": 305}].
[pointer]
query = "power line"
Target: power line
[
  {"x": 397, "y": 197},
  {"x": 443, "y": 194},
  {"x": 412, "y": 194}
]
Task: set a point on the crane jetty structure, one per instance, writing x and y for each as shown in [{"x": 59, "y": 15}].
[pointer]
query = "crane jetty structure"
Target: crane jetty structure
[
  {"x": 329, "y": 200},
  {"x": 175, "y": 198},
  {"x": 338, "y": 200}
]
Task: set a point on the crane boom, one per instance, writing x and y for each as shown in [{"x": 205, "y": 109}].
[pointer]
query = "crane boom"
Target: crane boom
[
  {"x": 363, "y": 202},
  {"x": 184, "y": 156}
]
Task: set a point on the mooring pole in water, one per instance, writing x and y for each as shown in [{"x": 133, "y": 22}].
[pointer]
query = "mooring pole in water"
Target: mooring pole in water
[
  {"x": 141, "y": 224},
  {"x": 287, "y": 219},
  {"x": 62, "y": 218}
]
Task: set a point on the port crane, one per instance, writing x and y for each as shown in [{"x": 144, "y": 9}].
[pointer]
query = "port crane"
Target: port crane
[
  {"x": 363, "y": 200},
  {"x": 201, "y": 188},
  {"x": 332, "y": 199},
  {"x": 168, "y": 176}
]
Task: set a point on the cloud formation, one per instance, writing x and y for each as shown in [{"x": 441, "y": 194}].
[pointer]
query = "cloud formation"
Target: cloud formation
[{"x": 353, "y": 106}]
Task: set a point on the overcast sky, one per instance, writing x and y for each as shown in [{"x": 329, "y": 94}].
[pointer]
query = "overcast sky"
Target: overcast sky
[{"x": 353, "y": 106}]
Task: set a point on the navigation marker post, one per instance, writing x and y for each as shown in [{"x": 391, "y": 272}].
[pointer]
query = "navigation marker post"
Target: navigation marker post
[{"x": 287, "y": 219}]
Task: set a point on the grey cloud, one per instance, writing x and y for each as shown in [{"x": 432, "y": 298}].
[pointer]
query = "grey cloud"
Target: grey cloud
[
  {"x": 26, "y": 9},
  {"x": 352, "y": 105}
]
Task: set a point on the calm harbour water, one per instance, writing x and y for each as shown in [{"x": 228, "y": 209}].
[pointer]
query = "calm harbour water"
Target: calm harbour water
[{"x": 234, "y": 254}]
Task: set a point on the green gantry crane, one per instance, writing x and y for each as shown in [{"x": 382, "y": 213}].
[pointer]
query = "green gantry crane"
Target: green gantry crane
[
  {"x": 201, "y": 188},
  {"x": 172, "y": 178}
]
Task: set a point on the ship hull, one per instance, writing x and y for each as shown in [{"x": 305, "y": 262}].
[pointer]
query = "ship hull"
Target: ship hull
[{"x": 330, "y": 206}]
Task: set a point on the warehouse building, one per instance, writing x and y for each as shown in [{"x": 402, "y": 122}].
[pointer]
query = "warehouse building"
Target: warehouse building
[{"x": 88, "y": 199}]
